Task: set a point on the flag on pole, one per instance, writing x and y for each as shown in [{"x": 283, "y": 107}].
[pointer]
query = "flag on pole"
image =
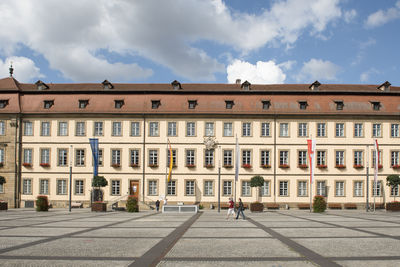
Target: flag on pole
[
  {"x": 94, "y": 144},
  {"x": 237, "y": 160},
  {"x": 376, "y": 160},
  {"x": 170, "y": 161},
  {"x": 311, "y": 154}
]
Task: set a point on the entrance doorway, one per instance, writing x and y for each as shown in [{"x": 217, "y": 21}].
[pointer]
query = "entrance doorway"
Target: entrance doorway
[{"x": 134, "y": 188}]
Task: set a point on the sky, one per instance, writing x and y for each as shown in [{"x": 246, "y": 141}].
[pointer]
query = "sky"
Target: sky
[{"x": 201, "y": 41}]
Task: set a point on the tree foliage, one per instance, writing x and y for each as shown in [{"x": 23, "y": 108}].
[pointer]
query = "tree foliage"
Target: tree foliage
[
  {"x": 99, "y": 181},
  {"x": 257, "y": 181}
]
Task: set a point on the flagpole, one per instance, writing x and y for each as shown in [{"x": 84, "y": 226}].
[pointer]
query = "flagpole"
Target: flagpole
[
  {"x": 236, "y": 166},
  {"x": 166, "y": 173},
  {"x": 367, "y": 185}
]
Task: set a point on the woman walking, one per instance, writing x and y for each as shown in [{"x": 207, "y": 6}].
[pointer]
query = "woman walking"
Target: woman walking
[{"x": 240, "y": 209}]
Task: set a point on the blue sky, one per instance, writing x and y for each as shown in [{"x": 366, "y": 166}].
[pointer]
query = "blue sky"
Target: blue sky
[{"x": 206, "y": 41}]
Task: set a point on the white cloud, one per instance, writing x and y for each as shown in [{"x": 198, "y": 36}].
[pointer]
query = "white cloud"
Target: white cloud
[
  {"x": 349, "y": 15},
  {"x": 27, "y": 70},
  {"x": 317, "y": 69},
  {"x": 366, "y": 75},
  {"x": 264, "y": 72},
  {"x": 381, "y": 17},
  {"x": 362, "y": 50}
]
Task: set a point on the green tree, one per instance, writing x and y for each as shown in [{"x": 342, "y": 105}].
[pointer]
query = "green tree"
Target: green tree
[
  {"x": 2, "y": 180},
  {"x": 257, "y": 181},
  {"x": 393, "y": 180},
  {"x": 98, "y": 182}
]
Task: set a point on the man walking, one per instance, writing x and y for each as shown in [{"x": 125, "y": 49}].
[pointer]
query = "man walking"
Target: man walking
[{"x": 240, "y": 209}]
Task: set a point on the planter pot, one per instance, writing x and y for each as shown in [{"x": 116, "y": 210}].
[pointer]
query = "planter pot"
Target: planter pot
[
  {"x": 3, "y": 205},
  {"x": 99, "y": 206},
  {"x": 256, "y": 207},
  {"x": 393, "y": 206}
]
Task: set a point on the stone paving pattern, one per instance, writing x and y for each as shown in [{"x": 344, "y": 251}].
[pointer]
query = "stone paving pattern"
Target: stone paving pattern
[{"x": 273, "y": 238}]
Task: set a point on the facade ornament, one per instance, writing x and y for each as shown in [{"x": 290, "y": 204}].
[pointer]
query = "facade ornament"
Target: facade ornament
[{"x": 210, "y": 142}]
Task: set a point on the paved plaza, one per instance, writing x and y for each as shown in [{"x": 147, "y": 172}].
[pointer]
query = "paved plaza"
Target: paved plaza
[{"x": 273, "y": 238}]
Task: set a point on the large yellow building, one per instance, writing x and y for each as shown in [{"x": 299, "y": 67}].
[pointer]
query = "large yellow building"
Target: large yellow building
[{"x": 201, "y": 121}]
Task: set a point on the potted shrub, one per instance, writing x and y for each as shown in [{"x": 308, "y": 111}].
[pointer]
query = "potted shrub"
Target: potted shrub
[
  {"x": 115, "y": 165},
  {"x": 132, "y": 205},
  {"x": 98, "y": 204},
  {"x": 27, "y": 164},
  {"x": 257, "y": 181},
  {"x": 303, "y": 166},
  {"x": 45, "y": 165},
  {"x": 319, "y": 204},
  {"x": 393, "y": 180},
  {"x": 266, "y": 166},
  {"x": 340, "y": 166},
  {"x": 42, "y": 203},
  {"x": 283, "y": 166},
  {"x": 3, "y": 204},
  {"x": 246, "y": 166}
]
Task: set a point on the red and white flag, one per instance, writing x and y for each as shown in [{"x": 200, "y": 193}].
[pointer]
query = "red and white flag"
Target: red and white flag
[
  {"x": 311, "y": 154},
  {"x": 376, "y": 160}
]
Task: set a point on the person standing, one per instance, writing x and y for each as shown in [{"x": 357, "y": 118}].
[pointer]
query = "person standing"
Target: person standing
[
  {"x": 240, "y": 209},
  {"x": 158, "y": 205},
  {"x": 231, "y": 209}
]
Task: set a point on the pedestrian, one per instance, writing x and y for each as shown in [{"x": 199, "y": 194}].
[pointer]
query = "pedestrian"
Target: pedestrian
[
  {"x": 158, "y": 205},
  {"x": 231, "y": 209},
  {"x": 165, "y": 201},
  {"x": 240, "y": 209}
]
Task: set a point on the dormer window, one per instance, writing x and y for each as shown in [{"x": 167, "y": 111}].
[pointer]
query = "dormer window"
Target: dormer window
[
  {"x": 3, "y": 103},
  {"x": 192, "y": 104},
  {"x": 385, "y": 87},
  {"x": 266, "y": 104},
  {"x": 41, "y": 85},
  {"x": 315, "y": 86},
  {"x": 83, "y": 103},
  {"x": 376, "y": 105},
  {"x": 303, "y": 104},
  {"x": 176, "y": 85},
  {"x": 48, "y": 104},
  {"x": 107, "y": 85},
  {"x": 155, "y": 104},
  {"x": 229, "y": 104},
  {"x": 245, "y": 86},
  {"x": 339, "y": 104},
  {"x": 119, "y": 103}
]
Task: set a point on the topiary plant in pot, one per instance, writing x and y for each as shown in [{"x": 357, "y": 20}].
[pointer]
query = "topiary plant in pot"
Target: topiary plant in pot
[
  {"x": 42, "y": 203},
  {"x": 393, "y": 181},
  {"x": 257, "y": 181},
  {"x": 132, "y": 204},
  {"x": 98, "y": 204},
  {"x": 319, "y": 204}
]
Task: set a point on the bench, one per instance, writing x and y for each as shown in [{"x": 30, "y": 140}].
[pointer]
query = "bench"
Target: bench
[
  {"x": 76, "y": 205},
  {"x": 303, "y": 206},
  {"x": 335, "y": 206},
  {"x": 350, "y": 206},
  {"x": 272, "y": 206}
]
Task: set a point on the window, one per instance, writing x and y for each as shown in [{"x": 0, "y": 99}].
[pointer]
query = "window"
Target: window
[
  {"x": 44, "y": 186},
  {"x": 45, "y": 131},
  {"x": 173, "y": 157},
  {"x": 228, "y": 129},
  {"x": 153, "y": 158},
  {"x": 227, "y": 188},
  {"x": 379, "y": 159},
  {"x": 153, "y": 188},
  {"x": 27, "y": 186},
  {"x": 61, "y": 187},
  {"x": 394, "y": 191},
  {"x": 358, "y": 130},
  {"x": 117, "y": 128},
  {"x": 265, "y": 158},
  {"x": 358, "y": 159},
  {"x": 229, "y": 104},
  {"x": 208, "y": 188},
  {"x": 321, "y": 188},
  {"x": 192, "y": 104},
  {"x": 265, "y": 129},
  {"x": 209, "y": 157},
  {"x": 45, "y": 156},
  {"x": 302, "y": 129},
  {"x": 394, "y": 130},
  {"x": 321, "y": 158},
  {"x": 116, "y": 157},
  {"x": 266, "y": 104},
  {"x": 115, "y": 187},
  {"x": 2, "y": 156},
  {"x": 80, "y": 158},
  {"x": 134, "y": 157},
  {"x": 302, "y": 160},
  {"x": 153, "y": 129},
  {"x": 172, "y": 129},
  {"x": 79, "y": 187},
  {"x": 339, "y": 105},
  {"x": 246, "y": 189},
  {"x": 284, "y": 129},
  {"x": 28, "y": 128},
  {"x": 100, "y": 157},
  {"x": 28, "y": 156},
  {"x": 155, "y": 104},
  {"x": 190, "y": 158},
  {"x": 302, "y": 188},
  {"x": 376, "y": 105},
  {"x": 3, "y": 103},
  {"x": 118, "y": 103},
  {"x": 283, "y": 158},
  {"x": 209, "y": 129},
  {"x": 190, "y": 129},
  {"x": 83, "y": 103},
  {"x": 283, "y": 188},
  {"x": 1, "y": 188},
  {"x": 339, "y": 158},
  {"x": 189, "y": 188},
  {"x": 339, "y": 129},
  {"x": 228, "y": 157},
  {"x": 377, "y": 189},
  {"x": 376, "y": 130},
  {"x": 135, "y": 128},
  {"x": 171, "y": 188},
  {"x": 246, "y": 129},
  {"x": 339, "y": 189},
  {"x": 48, "y": 104},
  {"x": 358, "y": 189},
  {"x": 265, "y": 189},
  {"x": 80, "y": 128},
  {"x": 62, "y": 157},
  {"x": 2, "y": 128},
  {"x": 303, "y": 105},
  {"x": 246, "y": 158},
  {"x": 63, "y": 128},
  {"x": 395, "y": 161},
  {"x": 321, "y": 129},
  {"x": 98, "y": 128}
]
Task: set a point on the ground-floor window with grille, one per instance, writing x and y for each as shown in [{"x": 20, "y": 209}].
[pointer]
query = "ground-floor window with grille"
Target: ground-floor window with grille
[
  {"x": 358, "y": 189},
  {"x": 171, "y": 188},
  {"x": 62, "y": 187},
  {"x": 115, "y": 187},
  {"x": 44, "y": 187},
  {"x": 265, "y": 189},
  {"x": 321, "y": 188},
  {"x": 27, "y": 186},
  {"x": 190, "y": 189},
  {"x": 246, "y": 189},
  {"x": 208, "y": 188},
  {"x": 1, "y": 188},
  {"x": 394, "y": 191},
  {"x": 227, "y": 190},
  {"x": 339, "y": 189},
  {"x": 302, "y": 188},
  {"x": 283, "y": 188},
  {"x": 79, "y": 187},
  {"x": 152, "y": 188},
  {"x": 377, "y": 188}
]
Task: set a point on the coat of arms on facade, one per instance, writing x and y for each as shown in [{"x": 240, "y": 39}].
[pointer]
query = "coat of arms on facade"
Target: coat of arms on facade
[{"x": 210, "y": 142}]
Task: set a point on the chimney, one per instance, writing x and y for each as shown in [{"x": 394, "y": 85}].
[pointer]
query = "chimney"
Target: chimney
[{"x": 238, "y": 81}]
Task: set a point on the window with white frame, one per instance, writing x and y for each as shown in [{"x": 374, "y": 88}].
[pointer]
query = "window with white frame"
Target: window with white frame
[
  {"x": 172, "y": 128},
  {"x": 209, "y": 129},
  {"x": 134, "y": 157},
  {"x": 284, "y": 158},
  {"x": 339, "y": 189},
  {"x": 115, "y": 187},
  {"x": 190, "y": 188},
  {"x": 190, "y": 157},
  {"x": 98, "y": 128},
  {"x": 228, "y": 155},
  {"x": 153, "y": 129},
  {"x": 377, "y": 189},
  {"x": 395, "y": 158},
  {"x": 246, "y": 189},
  {"x": 283, "y": 188},
  {"x": 116, "y": 157},
  {"x": 117, "y": 128},
  {"x": 44, "y": 186},
  {"x": 152, "y": 188},
  {"x": 1, "y": 188},
  {"x": 135, "y": 128},
  {"x": 339, "y": 158},
  {"x": 302, "y": 160},
  {"x": 173, "y": 157},
  {"x": 265, "y": 129},
  {"x": 2, "y": 128},
  {"x": 28, "y": 152},
  {"x": 265, "y": 158},
  {"x": 63, "y": 128},
  {"x": 28, "y": 128},
  {"x": 100, "y": 159},
  {"x": 394, "y": 191},
  {"x": 45, "y": 128},
  {"x": 227, "y": 188},
  {"x": 394, "y": 130},
  {"x": 321, "y": 158},
  {"x": 62, "y": 157},
  {"x": 208, "y": 188},
  {"x": 302, "y": 188},
  {"x": 27, "y": 186},
  {"x": 284, "y": 129},
  {"x": 228, "y": 129},
  {"x": 246, "y": 157},
  {"x": 2, "y": 155},
  {"x": 153, "y": 157},
  {"x": 358, "y": 189},
  {"x": 62, "y": 187},
  {"x": 191, "y": 129},
  {"x": 321, "y": 129},
  {"x": 265, "y": 189},
  {"x": 339, "y": 130},
  {"x": 246, "y": 129},
  {"x": 171, "y": 188},
  {"x": 302, "y": 129},
  {"x": 209, "y": 157},
  {"x": 379, "y": 159},
  {"x": 321, "y": 188},
  {"x": 358, "y": 158},
  {"x": 376, "y": 130},
  {"x": 45, "y": 156},
  {"x": 79, "y": 187},
  {"x": 79, "y": 157},
  {"x": 80, "y": 128},
  {"x": 358, "y": 130}
]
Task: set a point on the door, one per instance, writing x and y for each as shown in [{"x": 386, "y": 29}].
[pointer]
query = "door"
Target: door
[{"x": 134, "y": 189}]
